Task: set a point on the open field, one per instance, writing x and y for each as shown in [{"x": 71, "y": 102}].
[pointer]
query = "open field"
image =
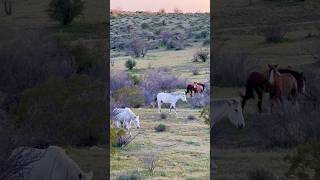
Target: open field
[
  {"x": 183, "y": 149},
  {"x": 236, "y": 28}
]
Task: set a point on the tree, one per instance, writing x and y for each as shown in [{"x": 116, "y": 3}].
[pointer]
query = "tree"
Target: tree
[
  {"x": 65, "y": 11},
  {"x": 7, "y": 7}
]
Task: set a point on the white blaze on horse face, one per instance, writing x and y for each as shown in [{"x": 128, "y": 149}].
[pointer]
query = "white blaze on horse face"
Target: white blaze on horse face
[
  {"x": 271, "y": 78},
  {"x": 136, "y": 121},
  {"x": 184, "y": 98},
  {"x": 235, "y": 114}
]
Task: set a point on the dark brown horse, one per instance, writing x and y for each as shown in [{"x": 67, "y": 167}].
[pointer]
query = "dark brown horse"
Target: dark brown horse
[
  {"x": 195, "y": 88},
  {"x": 257, "y": 82}
]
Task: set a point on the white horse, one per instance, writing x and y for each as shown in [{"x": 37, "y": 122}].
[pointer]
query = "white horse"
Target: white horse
[
  {"x": 53, "y": 164},
  {"x": 125, "y": 117},
  {"x": 228, "y": 108},
  {"x": 170, "y": 98}
]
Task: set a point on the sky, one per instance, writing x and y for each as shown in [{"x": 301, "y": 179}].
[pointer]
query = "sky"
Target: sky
[{"x": 155, "y": 5}]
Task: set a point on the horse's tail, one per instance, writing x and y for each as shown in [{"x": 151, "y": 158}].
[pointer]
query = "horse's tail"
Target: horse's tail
[
  {"x": 249, "y": 92},
  {"x": 203, "y": 86}
]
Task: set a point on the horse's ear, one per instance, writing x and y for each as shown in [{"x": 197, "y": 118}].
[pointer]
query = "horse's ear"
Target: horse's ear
[
  {"x": 235, "y": 102},
  {"x": 269, "y": 66}
]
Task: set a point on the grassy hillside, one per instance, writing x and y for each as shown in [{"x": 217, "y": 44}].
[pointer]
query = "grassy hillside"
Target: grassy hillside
[
  {"x": 88, "y": 29},
  {"x": 237, "y": 27}
]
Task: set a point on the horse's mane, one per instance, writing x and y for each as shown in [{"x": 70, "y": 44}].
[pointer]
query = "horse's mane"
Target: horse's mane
[
  {"x": 176, "y": 93},
  {"x": 293, "y": 73}
]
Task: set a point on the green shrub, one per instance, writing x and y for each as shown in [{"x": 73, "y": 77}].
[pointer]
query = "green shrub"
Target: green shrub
[
  {"x": 205, "y": 114},
  {"x": 129, "y": 97},
  {"x": 130, "y": 64},
  {"x": 163, "y": 116},
  {"x": 64, "y": 111},
  {"x": 161, "y": 128},
  {"x": 305, "y": 164},
  {"x": 191, "y": 117},
  {"x": 131, "y": 176},
  {"x": 85, "y": 59},
  {"x": 136, "y": 79},
  {"x": 65, "y": 11},
  {"x": 144, "y": 25},
  {"x": 260, "y": 174},
  {"x": 204, "y": 34}
]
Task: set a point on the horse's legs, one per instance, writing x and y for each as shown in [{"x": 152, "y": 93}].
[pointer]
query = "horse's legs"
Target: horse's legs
[
  {"x": 175, "y": 110},
  {"x": 260, "y": 96},
  {"x": 159, "y": 106},
  {"x": 170, "y": 108}
]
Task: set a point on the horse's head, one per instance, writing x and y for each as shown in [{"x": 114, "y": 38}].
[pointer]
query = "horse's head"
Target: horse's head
[
  {"x": 235, "y": 113},
  {"x": 272, "y": 70},
  {"x": 136, "y": 122},
  {"x": 85, "y": 176},
  {"x": 183, "y": 97}
]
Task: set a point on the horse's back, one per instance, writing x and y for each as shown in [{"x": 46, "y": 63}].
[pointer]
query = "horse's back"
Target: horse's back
[
  {"x": 256, "y": 78},
  {"x": 288, "y": 84}
]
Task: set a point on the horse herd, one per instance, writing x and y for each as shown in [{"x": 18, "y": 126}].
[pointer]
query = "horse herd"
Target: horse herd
[{"x": 281, "y": 84}]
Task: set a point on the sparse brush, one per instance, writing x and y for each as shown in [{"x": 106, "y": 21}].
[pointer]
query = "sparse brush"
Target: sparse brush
[
  {"x": 191, "y": 117},
  {"x": 260, "y": 174},
  {"x": 161, "y": 128},
  {"x": 195, "y": 71},
  {"x": 201, "y": 55},
  {"x": 149, "y": 160},
  {"x": 130, "y": 64},
  {"x": 130, "y": 176},
  {"x": 163, "y": 116}
]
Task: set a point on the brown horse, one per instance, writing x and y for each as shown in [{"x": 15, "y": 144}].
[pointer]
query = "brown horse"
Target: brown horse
[
  {"x": 198, "y": 87},
  {"x": 195, "y": 88},
  {"x": 281, "y": 85},
  {"x": 257, "y": 82}
]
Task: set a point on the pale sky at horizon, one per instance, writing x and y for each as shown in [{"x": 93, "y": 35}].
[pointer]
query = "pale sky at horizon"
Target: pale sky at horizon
[{"x": 155, "y": 5}]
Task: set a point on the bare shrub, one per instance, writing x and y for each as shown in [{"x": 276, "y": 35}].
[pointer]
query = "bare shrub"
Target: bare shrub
[
  {"x": 201, "y": 55},
  {"x": 7, "y": 6},
  {"x": 230, "y": 68},
  {"x": 200, "y": 100},
  {"x": 177, "y": 11},
  {"x": 260, "y": 174},
  {"x": 289, "y": 127},
  {"x": 155, "y": 81},
  {"x": 14, "y": 157},
  {"x": 64, "y": 111},
  {"x": 162, "y": 11},
  {"x": 149, "y": 160},
  {"x": 137, "y": 47},
  {"x": 195, "y": 71},
  {"x": 272, "y": 28},
  {"x": 119, "y": 79},
  {"x": 129, "y": 97},
  {"x": 30, "y": 57}
]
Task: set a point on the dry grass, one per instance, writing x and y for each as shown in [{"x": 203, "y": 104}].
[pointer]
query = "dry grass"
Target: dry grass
[
  {"x": 179, "y": 62},
  {"x": 184, "y": 148}
]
